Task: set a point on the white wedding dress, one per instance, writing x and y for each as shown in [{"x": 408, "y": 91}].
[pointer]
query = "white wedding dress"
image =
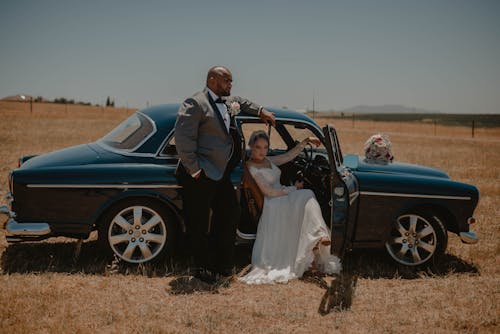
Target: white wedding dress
[{"x": 290, "y": 226}]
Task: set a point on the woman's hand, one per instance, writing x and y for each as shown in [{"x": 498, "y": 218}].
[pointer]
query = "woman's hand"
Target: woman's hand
[
  {"x": 313, "y": 140},
  {"x": 299, "y": 184}
]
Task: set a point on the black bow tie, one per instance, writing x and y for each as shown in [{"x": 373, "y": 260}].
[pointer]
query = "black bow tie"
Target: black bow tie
[{"x": 219, "y": 100}]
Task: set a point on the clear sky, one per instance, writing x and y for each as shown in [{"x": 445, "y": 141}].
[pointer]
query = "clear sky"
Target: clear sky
[{"x": 433, "y": 54}]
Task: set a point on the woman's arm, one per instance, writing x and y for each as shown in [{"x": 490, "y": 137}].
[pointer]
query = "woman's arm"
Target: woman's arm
[
  {"x": 267, "y": 189},
  {"x": 291, "y": 154}
]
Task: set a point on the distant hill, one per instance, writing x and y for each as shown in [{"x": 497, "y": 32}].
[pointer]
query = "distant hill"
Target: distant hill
[{"x": 386, "y": 109}]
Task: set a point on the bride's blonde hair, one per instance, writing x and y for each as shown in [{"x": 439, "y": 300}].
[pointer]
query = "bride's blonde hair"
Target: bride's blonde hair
[{"x": 259, "y": 134}]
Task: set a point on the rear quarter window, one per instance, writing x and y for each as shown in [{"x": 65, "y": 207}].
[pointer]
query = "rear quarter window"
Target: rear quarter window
[{"x": 131, "y": 133}]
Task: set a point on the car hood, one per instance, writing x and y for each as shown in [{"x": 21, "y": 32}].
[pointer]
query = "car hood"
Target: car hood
[{"x": 357, "y": 163}]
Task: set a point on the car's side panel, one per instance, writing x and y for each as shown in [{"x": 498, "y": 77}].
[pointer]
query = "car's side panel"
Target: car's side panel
[
  {"x": 383, "y": 197},
  {"x": 72, "y": 197}
]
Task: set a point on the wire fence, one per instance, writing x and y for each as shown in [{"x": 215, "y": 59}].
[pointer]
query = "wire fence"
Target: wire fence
[{"x": 454, "y": 125}]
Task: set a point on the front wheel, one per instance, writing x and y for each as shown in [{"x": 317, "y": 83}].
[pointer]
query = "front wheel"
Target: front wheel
[
  {"x": 416, "y": 239},
  {"x": 136, "y": 231}
]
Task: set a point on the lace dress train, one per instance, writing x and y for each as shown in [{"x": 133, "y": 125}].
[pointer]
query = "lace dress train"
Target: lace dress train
[{"x": 290, "y": 227}]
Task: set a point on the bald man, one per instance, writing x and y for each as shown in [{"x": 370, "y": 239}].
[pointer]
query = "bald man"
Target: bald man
[{"x": 205, "y": 133}]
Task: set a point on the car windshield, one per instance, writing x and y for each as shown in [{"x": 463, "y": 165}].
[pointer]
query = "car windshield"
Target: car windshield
[{"x": 131, "y": 133}]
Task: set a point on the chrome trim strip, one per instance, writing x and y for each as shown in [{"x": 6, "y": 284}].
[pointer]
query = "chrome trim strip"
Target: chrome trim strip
[
  {"x": 245, "y": 235},
  {"x": 353, "y": 196},
  {"x": 131, "y": 150},
  {"x": 117, "y": 186},
  {"x": 373, "y": 193},
  {"x": 123, "y": 152}
]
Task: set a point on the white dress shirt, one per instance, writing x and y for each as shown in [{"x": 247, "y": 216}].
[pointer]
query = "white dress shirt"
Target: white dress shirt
[{"x": 222, "y": 109}]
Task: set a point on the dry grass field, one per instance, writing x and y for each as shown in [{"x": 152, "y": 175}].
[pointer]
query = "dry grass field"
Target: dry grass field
[{"x": 43, "y": 290}]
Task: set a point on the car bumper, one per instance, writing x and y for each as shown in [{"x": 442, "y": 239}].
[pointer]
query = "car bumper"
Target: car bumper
[
  {"x": 469, "y": 237},
  {"x": 16, "y": 231},
  {"x": 5, "y": 210}
]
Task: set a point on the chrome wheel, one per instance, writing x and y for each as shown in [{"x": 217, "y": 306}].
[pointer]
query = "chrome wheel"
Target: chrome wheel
[
  {"x": 413, "y": 240},
  {"x": 137, "y": 234}
]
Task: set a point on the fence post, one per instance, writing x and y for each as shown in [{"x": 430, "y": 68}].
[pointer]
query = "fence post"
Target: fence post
[
  {"x": 472, "y": 128},
  {"x": 435, "y": 127},
  {"x": 353, "y": 120},
  {"x": 31, "y": 105}
]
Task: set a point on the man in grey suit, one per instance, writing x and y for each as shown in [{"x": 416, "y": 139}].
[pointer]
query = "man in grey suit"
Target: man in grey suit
[{"x": 204, "y": 133}]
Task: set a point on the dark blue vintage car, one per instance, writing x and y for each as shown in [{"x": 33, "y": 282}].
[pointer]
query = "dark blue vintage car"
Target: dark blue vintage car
[{"x": 124, "y": 186}]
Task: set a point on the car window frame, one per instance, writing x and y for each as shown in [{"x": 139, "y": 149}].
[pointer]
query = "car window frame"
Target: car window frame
[{"x": 281, "y": 129}]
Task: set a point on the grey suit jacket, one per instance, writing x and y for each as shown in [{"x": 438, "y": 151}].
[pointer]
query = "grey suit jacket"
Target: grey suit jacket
[{"x": 201, "y": 137}]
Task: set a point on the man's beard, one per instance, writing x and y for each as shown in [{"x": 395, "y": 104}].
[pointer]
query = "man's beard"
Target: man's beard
[{"x": 225, "y": 92}]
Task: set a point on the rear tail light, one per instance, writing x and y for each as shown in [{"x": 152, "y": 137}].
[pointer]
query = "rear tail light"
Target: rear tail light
[
  {"x": 18, "y": 162},
  {"x": 471, "y": 220}
]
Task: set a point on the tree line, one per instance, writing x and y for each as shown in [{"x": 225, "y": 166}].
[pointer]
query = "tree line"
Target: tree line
[{"x": 110, "y": 102}]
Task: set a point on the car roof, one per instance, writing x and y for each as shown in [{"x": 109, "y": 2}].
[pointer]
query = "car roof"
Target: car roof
[{"x": 164, "y": 115}]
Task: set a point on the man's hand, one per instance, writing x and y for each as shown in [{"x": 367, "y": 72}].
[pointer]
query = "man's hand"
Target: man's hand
[{"x": 267, "y": 116}]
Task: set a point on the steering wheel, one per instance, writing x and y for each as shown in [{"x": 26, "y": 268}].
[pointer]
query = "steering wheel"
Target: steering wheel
[
  {"x": 308, "y": 151},
  {"x": 305, "y": 163}
]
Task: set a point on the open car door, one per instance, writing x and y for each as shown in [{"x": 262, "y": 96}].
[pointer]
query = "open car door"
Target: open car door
[{"x": 344, "y": 193}]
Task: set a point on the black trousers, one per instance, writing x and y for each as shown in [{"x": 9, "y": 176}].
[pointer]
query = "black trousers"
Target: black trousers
[{"x": 211, "y": 215}]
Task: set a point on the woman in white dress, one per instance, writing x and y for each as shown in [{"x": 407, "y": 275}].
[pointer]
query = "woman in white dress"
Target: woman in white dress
[{"x": 292, "y": 235}]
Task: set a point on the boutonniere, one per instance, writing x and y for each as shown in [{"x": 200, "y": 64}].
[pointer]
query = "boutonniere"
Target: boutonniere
[{"x": 234, "y": 108}]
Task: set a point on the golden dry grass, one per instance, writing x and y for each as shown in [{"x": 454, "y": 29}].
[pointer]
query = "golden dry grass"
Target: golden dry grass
[{"x": 43, "y": 290}]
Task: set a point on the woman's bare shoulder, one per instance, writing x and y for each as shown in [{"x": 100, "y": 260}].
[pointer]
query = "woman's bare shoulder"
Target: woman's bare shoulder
[{"x": 250, "y": 163}]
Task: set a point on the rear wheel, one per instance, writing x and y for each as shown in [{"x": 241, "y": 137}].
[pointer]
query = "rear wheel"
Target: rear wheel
[
  {"x": 417, "y": 239},
  {"x": 137, "y": 231}
]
